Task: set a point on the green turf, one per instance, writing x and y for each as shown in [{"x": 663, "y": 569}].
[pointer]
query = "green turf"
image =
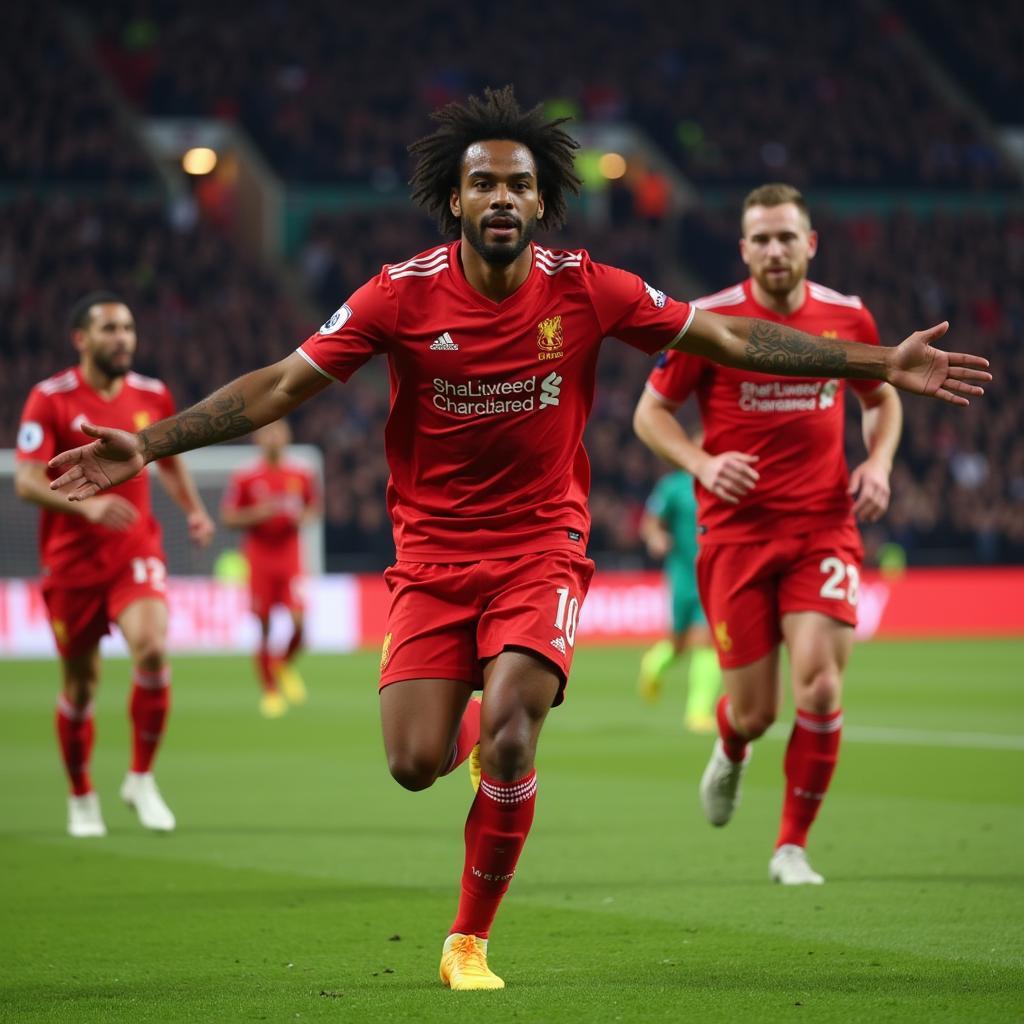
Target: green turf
[{"x": 304, "y": 885}]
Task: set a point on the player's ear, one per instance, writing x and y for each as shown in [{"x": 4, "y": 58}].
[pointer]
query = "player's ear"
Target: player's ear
[
  {"x": 78, "y": 339},
  {"x": 540, "y": 206},
  {"x": 455, "y": 204},
  {"x": 744, "y": 255},
  {"x": 812, "y": 244}
]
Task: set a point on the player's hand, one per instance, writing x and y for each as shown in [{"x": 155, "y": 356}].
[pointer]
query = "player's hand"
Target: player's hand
[
  {"x": 917, "y": 367},
  {"x": 869, "y": 487},
  {"x": 730, "y": 475},
  {"x": 200, "y": 528},
  {"x": 115, "y": 457},
  {"x": 658, "y": 545},
  {"x": 111, "y": 511}
]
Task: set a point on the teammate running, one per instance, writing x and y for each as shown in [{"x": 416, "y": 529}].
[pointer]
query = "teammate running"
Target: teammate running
[
  {"x": 272, "y": 501},
  {"x": 102, "y": 558},
  {"x": 780, "y": 554},
  {"x": 669, "y": 530},
  {"x": 492, "y": 344}
]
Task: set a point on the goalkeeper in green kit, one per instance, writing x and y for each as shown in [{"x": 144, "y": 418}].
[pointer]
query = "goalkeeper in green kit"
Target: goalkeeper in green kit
[{"x": 669, "y": 529}]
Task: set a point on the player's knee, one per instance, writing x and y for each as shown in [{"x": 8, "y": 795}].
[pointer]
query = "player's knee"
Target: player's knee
[
  {"x": 413, "y": 770},
  {"x": 150, "y": 653},
  {"x": 507, "y": 752},
  {"x": 79, "y": 690},
  {"x": 820, "y": 693},
  {"x": 754, "y": 722}
]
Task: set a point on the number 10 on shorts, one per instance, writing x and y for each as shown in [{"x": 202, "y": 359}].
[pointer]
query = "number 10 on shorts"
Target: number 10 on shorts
[{"x": 567, "y": 616}]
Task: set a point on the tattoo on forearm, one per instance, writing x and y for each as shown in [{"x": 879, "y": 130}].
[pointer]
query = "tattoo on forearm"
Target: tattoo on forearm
[
  {"x": 217, "y": 418},
  {"x": 774, "y": 348}
]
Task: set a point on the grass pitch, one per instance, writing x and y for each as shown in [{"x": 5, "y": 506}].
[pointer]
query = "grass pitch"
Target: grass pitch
[{"x": 303, "y": 885}]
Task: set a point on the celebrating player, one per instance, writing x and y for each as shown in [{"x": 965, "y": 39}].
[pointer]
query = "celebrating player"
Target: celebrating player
[
  {"x": 780, "y": 554},
  {"x": 102, "y": 558},
  {"x": 669, "y": 529},
  {"x": 272, "y": 502},
  {"x": 492, "y": 344}
]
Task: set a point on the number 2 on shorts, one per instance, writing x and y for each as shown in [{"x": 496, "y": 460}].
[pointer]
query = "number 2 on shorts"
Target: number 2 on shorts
[
  {"x": 838, "y": 572},
  {"x": 568, "y": 614}
]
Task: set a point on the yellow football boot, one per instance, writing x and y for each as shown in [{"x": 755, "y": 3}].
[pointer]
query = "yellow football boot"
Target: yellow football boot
[
  {"x": 272, "y": 704},
  {"x": 291, "y": 684},
  {"x": 464, "y": 964}
]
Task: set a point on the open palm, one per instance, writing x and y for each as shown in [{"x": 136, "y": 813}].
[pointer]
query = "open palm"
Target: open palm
[
  {"x": 921, "y": 369},
  {"x": 110, "y": 460}
]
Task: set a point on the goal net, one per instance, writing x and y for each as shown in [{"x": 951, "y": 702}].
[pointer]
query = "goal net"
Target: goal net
[{"x": 210, "y": 467}]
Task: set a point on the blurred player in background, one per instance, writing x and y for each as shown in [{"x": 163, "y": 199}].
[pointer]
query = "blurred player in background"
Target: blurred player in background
[
  {"x": 669, "y": 529},
  {"x": 102, "y": 559},
  {"x": 492, "y": 345},
  {"x": 780, "y": 553},
  {"x": 272, "y": 502}
]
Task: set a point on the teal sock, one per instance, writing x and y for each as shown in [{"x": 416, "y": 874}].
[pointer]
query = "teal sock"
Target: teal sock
[{"x": 705, "y": 677}]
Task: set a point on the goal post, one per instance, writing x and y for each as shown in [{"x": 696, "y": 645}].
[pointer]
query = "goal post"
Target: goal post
[{"x": 211, "y": 468}]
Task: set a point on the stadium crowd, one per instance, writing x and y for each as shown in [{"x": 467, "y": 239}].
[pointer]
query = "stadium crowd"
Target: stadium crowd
[
  {"x": 702, "y": 87},
  {"x": 207, "y": 310}
]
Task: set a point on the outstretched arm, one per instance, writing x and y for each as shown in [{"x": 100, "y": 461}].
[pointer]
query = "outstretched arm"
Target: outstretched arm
[
  {"x": 914, "y": 365},
  {"x": 248, "y": 402}
]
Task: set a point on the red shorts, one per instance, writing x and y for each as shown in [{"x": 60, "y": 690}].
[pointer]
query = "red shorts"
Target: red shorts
[
  {"x": 272, "y": 588},
  {"x": 446, "y": 620},
  {"x": 747, "y": 588},
  {"x": 80, "y": 616}
]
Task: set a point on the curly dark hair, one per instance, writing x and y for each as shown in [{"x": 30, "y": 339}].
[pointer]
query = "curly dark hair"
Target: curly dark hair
[{"x": 496, "y": 116}]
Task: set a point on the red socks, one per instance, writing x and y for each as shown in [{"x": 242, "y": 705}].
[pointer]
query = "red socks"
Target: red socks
[
  {"x": 468, "y": 738},
  {"x": 496, "y": 831},
  {"x": 76, "y": 731},
  {"x": 810, "y": 761},
  {"x": 734, "y": 745},
  {"x": 265, "y": 668},
  {"x": 294, "y": 645},
  {"x": 150, "y": 702}
]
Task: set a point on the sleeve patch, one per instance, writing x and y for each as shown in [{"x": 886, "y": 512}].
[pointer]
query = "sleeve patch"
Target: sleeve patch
[
  {"x": 30, "y": 436},
  {"x": 339, "y": 318}
]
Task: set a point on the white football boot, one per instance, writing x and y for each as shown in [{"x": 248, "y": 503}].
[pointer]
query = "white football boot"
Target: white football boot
[
  {"x": 720, "y": 785},
  {"x": 139, "y": 791},
  {"x": 85, "y": 820},
  {"x": 789, "y": 867}
]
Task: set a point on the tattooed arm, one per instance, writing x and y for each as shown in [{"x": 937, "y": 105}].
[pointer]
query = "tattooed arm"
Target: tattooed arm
[
  {"x": 237, "y": 408},
  {"x": 913, "y": 365}
]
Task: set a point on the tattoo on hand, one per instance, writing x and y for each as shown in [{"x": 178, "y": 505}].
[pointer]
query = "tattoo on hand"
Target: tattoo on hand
[
  {"x": 217, "y": 418},
  {"x": 778, "y": 348}
]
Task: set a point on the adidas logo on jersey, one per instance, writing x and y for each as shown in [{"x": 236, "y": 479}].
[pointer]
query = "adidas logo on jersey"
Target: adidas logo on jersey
[
  {"x": 559, "y": 644},
  {"x": 444, "y": 344}
]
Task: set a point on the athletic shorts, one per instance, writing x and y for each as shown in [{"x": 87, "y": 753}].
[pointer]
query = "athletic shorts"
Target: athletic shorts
[
  {"x": 747, "y": 588},
  {"x": 686, "y": 609},
  {"x": 81, "y": 616},
  {"x": 446, "y": 620},
  {"x": 267, "y": 589}
]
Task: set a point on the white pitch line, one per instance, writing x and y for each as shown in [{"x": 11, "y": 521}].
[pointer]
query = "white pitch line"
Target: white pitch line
[{"x": 923, "y": 737}]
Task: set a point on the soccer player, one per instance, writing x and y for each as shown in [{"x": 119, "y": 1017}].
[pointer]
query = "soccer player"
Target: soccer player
[
  {"x": 492, "y": 344},
  {"x": 780, "y": 554},
  {"x": 272, "y": 501},
  {"x": 669, "y": 530},
  {"x": 102, "y": 559}
]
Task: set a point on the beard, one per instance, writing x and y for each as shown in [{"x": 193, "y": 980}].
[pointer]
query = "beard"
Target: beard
[
  {"x": 499, "y": 254},
  {"x": 782, "y": 284},
  {"x": 106, "y": 365}
]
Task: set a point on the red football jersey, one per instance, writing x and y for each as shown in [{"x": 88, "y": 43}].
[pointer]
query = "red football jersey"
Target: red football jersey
[
  {"x": 273, "y": 545},
  {"x": 794, "y": 424},
  {"x": 489, "y": 400},
  {"x": 73, "y": 551}
]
